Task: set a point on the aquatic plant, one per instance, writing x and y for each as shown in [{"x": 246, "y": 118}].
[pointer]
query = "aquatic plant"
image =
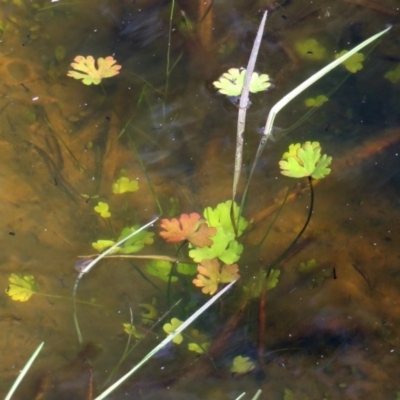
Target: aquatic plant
[
  {"x": 310, "y": 49},
  {"x": 85, "y": 68},
  {"x": 393, "y": 75},
  {"x": 231, "y": 83},
  {"x": 22, "y": 288},
  {"x": 102, "y": 208},
  {"x": 316, "y": 101},
  {"x": 242, "y": 365},
  {"x": 211, "y": 274},
  {"x": 188, "y": 227},
  {"x": 354, "y": 63},
  {"x": 305, "y": 160}
]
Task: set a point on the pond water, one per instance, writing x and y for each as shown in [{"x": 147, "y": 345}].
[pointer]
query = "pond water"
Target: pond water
[{"x": 330, "y": 327}]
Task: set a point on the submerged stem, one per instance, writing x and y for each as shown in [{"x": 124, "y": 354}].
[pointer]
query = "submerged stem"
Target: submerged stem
[{"x": 289, "y": 248}]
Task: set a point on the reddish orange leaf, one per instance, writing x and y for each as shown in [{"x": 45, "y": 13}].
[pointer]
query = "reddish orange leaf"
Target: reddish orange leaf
[
  {"x": 211, "y": 274},
  {"x": 188, "y": 227}
]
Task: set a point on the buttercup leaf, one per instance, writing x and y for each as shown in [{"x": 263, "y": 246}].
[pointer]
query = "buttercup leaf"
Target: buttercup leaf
[
  {"x": 316, "y": 102},
  {"x": 102, "y": 209},
  {"x": 211, "y": 274},
  {"x": 84, "y": 68},
  {"x": 224, "y": 247},
  {"x": 199, "y": 349},
  {"x": 171, "y": 328},
  {"x": 124, "y": 185},
  {"x": 21, "y": 288},
  {"x": 101, "y": 245},
  {"x": 161, "y": 269},
  {"x": 242, "y": 365},
  {"x": 310, "y": 49},
  {"x": 353, "y": 63},
  {"x": 186, "y": 269},
  {"x": 307, "y": 162},
  {"x": 136, "y": 242},
  {"x": 393, "y": 75},
  {"x": 231, "y": 83},
  {"x": 131, "y": 330},
  {"x": 221, "y": 216},
  {"x": 188, "y": 227}
]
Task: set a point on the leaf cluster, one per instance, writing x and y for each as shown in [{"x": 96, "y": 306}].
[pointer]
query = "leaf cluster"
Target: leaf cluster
[{"x": 211, "y": 274}]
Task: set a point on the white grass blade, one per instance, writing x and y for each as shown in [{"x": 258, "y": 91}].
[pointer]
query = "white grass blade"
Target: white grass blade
[
  {"x": 108, "y": 251},
  {"x": 257, "y": 395},
  {"x": 92, "y": 264},
  {"x": 167, "y": 340},
  {"x": 241, "y": 396},
  {"x": 244, "y": 100},
  {"x": 318, "y": 75},
  {"x": 23, "y": 372}
]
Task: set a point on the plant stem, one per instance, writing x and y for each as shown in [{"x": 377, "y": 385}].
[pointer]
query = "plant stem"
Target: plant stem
[
  {"x": 276, "y": 217},
  {"x": 289, "y": 248}
]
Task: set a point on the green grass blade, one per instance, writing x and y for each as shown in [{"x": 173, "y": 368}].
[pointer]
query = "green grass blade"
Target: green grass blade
[
  {"x": 167, "y": 340},
  {"x": 23, "y": 372},
  {"x": 299, "y": 89},
  {"x": 314, "y": 78}
]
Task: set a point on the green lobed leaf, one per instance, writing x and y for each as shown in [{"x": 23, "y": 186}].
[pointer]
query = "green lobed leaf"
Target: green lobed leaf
[
  {"x": 161, "y": 269},
  {"x": 307, "y": 162},
  {"x": 221, "y": 216},
  {"x": 224, "y": 247}
]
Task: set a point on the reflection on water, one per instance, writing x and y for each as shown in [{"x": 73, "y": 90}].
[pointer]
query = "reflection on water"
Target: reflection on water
[{"x": 331, "y": 332}]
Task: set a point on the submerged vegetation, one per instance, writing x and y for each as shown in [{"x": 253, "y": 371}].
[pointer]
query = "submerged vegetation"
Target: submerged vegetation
[{"x": 204, "y": 252}]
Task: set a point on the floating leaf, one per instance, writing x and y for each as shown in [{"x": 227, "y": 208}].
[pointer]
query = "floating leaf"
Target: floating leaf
[
  {"x": 161, "y": 269},
  {"x": 393, "y": 75},
  {"x": 310, "y": 49},
  {"x": 353, "y": 63},
  {"x": 307, "y": 162},
  {"x": 102, "y": 209},
  {"x": 101, "y": 245},
  {"x": 224, "y": 247},
  {"x": 200, "y": 342},
  {"x": 231, "y": 83},
  {"x": 132, "y": 245},
  {"x": 88, "y": 71},
  {"x": 124, "y": 185},
  {"x": 21, "y": 288},
  {"x": 188, "y": 227},
  {"x": 222, "y": 216},
  {"x": 199, "y": 349},
  {"x": 211, "y": 274},
  {"x": 242, "y": 365},
  {"x": 131, "y": 330},
  {"x": 316, "y": 102},
  {"x": 151, "y": 314},
  {"x": 136, "y": 242},
  {"x": 172, "y": 327}
]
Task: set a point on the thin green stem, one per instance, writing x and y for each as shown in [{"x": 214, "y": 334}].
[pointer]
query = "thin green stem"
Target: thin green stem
[
  {"x": 275, "y": 218},
  {"x": 168, "y": 71},
  {"x": 289, "y": 248},
  {"x": 153, "y": 192}
]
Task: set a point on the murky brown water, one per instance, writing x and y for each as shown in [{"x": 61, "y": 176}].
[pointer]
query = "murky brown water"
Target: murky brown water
[{"x": 325, "y": 337}]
